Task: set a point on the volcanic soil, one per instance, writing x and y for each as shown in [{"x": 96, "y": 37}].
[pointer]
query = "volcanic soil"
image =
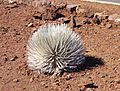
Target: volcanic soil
[{"x": 101, "y": 38}]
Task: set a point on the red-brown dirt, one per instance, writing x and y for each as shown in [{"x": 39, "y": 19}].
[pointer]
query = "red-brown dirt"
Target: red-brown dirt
[{"x": 102, "y": 43}]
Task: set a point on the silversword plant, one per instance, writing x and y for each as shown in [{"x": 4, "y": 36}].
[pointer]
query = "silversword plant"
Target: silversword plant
[{"x": 54, "y": 47}]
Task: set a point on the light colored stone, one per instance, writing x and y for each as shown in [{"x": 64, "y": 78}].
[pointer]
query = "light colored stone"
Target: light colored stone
[
  {"x": 13, "y": 58},
  {"x": 89, "y": 89},
  {"x": 31, "y": 79},
  {"x": 72, "y": 7},
  {"x": 108, "y": 26},
  {"x": 15, "y": 80},
  {"x": 80, "y": 10},
  {"x": 113, "y": 17},
  {"x": 11, "y": 1},
  {"x": 63, "y": 20},
  {"x": 68, "y": 77},
  {"x": 117, "y": 21},
  {"x": 30, "y": 24}
]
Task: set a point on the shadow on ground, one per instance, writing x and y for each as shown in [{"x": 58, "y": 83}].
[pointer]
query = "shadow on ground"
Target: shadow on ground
[{"x": 90, "y": 63}]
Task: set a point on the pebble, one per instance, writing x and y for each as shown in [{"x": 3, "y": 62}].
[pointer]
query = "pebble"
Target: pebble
[
  {"x": 71, "y": 8},
  {"x": 43, "y": 83},
  {"x": 13, "y": 58},
  {"x": 108, "y": 26},
  {"x": 30, "y": 24},
  {"x": 113, "y": 17},
  {"x": 80, "y": 10},
  {"x": 89, "y": 89},
  {"x": 15, "y": 80},
  {"x": 12, "y": 1},
  {"x": 64, "y": 20},
  {"x": 31, "y": 79},
  {"x": 68, "y": 77},
  {"x": 117, "y": 21}
]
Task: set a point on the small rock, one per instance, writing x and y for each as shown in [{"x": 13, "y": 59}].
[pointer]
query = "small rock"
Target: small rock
[
  {"x": 68, "y": 77},
  {"x": 80, "y": 10},
  {"x": 15, "y": 80},
  {"x": 101, "y": 16},
  {"x": 43, "y": 83},
  {"x": 89, "y": 89},
  {"x": 13, "y": 58},
  {"x": 80, "y": 85},
  {"x": 31, "y": 79},
  {"x": 64, "y": 20},
  {"x": 12, "y": 1},
  {"x": 117, "y": 21},
  {"x": 71, "y": 8},
  {"x": 30, "y": 24},
  {"x": 108, "y": 26},
  {"x": 113, "y": 17}
]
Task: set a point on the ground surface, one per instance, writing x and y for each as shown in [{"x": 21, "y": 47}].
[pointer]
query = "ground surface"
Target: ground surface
[{"x": 102, "y": 72}]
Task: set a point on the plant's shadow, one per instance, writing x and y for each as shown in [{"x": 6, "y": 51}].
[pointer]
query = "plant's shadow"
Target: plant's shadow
[{"x": 90, "y": 63}]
